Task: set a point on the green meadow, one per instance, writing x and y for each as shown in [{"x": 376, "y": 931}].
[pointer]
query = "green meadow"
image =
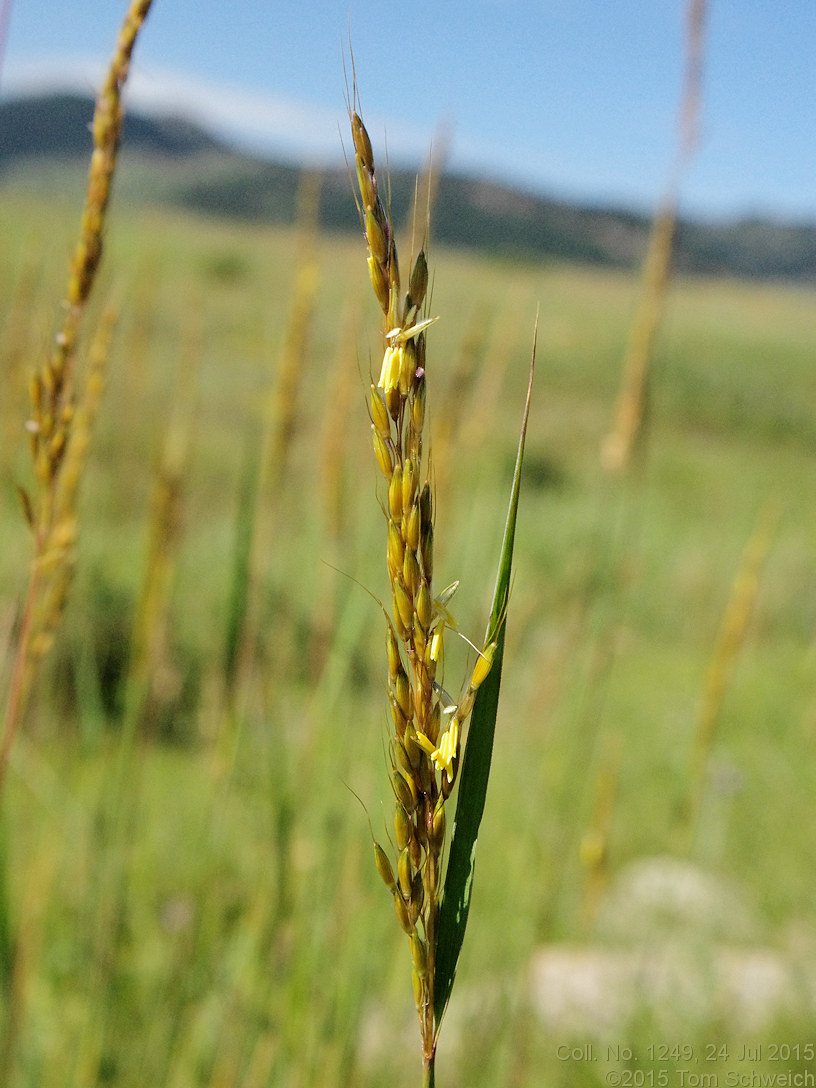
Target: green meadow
[{"x": 188, "y": 891}]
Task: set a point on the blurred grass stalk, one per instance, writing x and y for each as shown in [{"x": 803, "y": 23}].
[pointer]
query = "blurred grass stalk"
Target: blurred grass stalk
[
  {"x": 426, "y": 746},
  {"x": 265, "y": 469},
  {"x": 730, "y": 640},
  {"x": 621, "y": 443},
  {"x": 60, "y": 430}
]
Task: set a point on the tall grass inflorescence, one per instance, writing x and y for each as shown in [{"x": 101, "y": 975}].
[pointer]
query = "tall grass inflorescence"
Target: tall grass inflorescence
[
  {"x": 59, "y": 427},
  {"x": 428, "y": 723}
]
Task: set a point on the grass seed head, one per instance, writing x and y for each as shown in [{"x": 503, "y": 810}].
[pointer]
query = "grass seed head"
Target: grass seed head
[
  {"x": 419, "y": 955},
  {"x": 426, "y": 544},
  {"x": 406, "y": 791},
  {"x": 410, "y": 571},
  {"x": 411, "y": 527},
  {"x": 405, "y": 605},
  {"x": 379, "y": 414},
  {"x": 384, "y": 867},
  {"x": 394, "y": 659},
  {"x": 407, "y": 367},
  {"x": 402, "y": 826},
  {"x": 483, "y": 666},
  {"x": 402, "y": 690},
  {"x": 417, "y": 900},
  {"x": 395, "y": 494},
  {"x": 385, "y": 458},
  {"x": 418, "y": 403},
  {"x": 375, "y": 236},
  {"x": 400, "y": 721},
  {"x": 362, "y": 143},
  {"x": 437, "y": 833},
  {"x": 424, "y": 605},
  {"x": 405, "y": 872},
  {"x": 395, "y": 548},
  {"x": 410, "y": 483},
  {"x": 418, "y": 283},
  {"x": 402, "y": 912}
]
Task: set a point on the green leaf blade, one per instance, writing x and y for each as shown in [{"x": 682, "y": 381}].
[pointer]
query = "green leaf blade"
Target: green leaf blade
[{"x": 475, "y": 769}]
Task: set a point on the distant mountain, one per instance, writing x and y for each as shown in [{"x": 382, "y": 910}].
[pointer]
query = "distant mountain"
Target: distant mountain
[
  {"x": 181, "y": 164},
  {"x": 59, "y": 125}
]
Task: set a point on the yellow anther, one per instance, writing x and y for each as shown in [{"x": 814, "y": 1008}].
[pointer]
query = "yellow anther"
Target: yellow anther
[
  {"x": 444, "y": 753},
  {"x": 391, "y": 366}
]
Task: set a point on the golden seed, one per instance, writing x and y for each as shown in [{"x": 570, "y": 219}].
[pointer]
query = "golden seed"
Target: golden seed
[
  {"x": 403, "y": 760},
  {"x": 403, "y": 915},
  {"x": 438, "y": 825},
  {"x": 394, "y": 659},
  {"x": 402, "y": 690},
  {"x": 378, "y": 281},
  {"x": 400, "y": 720},
  {"x": 418, "y": 405},
  {"x": 420, "y": 639},
  {"x": 404, "y": 604},
  {"x": 404, "y": 872},
  {"x": 396, "y": 548},
  {"x": 407, "y": 367},
  {"x": 414, "y": 845},
  {"x": 405, "y": 790},
  {"x": 362, "y": 144},
  {"x": 424, "y": 605},
  {"x": 379, "y": 414},
  {"x": 395, "y": 494},
  {"x": 418, "y": 283},
  {"x": 410, "y": 527},
  {"x": 383, "y": 452},
  {"x": 417, "y": 894},
  {"x": 432, "y": 870},
  {"x": 410, "y": 571},
  {"x": 420, "y": 350},
  {"x": 410, "y": 482},
  {"x": 402, "y": 826},
  {"x": 483, "y": 666},
  {"x": 384, "y": 866},
  {"x": 401, "y": 629},
  {"x": 375, "y": 236},
  {"x": 394, "y": 402},
  {"x": 419, "y": 955},
  {"x": 426, "y": 551},
  {"x": 411, "y": 747},
  {"x": 426, "y": 507}
]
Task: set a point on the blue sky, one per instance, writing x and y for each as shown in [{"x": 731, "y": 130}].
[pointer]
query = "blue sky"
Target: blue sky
[{"x": 578, "y": 98}]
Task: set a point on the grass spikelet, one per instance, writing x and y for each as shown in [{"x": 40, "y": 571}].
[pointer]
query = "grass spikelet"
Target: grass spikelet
[{"x": 53, "y": 427}]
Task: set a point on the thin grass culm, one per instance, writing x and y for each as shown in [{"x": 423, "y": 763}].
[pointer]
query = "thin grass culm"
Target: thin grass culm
[{"x": 426, "y": 744}]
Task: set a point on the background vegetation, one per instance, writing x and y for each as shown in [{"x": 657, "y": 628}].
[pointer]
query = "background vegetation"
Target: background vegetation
[{"x": 190, "y": 897}]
